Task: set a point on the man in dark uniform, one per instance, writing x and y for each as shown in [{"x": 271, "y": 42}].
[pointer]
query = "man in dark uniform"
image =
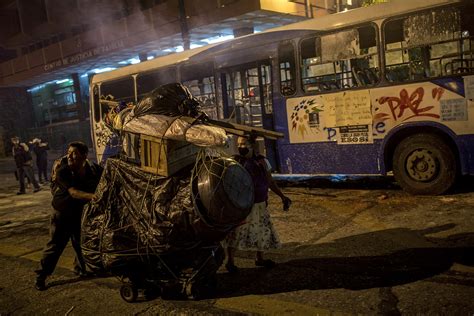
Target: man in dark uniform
[
  {"x": 24, "y": 163},
  {"x": 73, "y": 183},
  {"x": 41, "y": 150}
]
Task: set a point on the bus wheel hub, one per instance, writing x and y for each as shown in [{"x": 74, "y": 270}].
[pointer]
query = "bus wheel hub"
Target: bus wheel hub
[{"x": 421, "y": 165}]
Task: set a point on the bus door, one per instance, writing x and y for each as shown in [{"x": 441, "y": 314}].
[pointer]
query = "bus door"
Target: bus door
[{"x": 247, "y": 94}]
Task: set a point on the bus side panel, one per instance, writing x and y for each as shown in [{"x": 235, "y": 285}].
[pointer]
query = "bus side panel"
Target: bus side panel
[
  {"x": 333, "y": 127},
  {"x": 329, "y": 158},
  {"x": 442, "y": 105},
  {"x": 326, "y": 157}
]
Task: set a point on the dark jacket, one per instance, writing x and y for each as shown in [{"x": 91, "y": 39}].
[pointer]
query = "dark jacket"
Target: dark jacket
[
  {"x": 64, "y": 179},
  {"x": 41, "y": 151},
  {"x": 22, "y": 157},
  {"x": 256, "y": 167}
]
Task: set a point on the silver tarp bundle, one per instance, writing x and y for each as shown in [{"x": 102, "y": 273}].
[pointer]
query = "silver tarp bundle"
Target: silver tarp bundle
[{"x": 170, "y": 112}]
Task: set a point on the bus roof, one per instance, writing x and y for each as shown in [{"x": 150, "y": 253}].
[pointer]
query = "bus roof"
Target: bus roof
[
  {"x": 364, "y": 14},
  {"x": 325, "y": 23},
  {"x": 162, "y": 61}
]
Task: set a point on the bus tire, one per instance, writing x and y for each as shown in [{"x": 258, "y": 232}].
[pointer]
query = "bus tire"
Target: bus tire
[{"x": 424, "y": 164}]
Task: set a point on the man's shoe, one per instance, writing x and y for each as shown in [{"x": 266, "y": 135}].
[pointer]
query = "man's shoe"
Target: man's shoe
[
  {"x": 231, "y": 268},
  {"x": 20, "y": 192},
  {"x": 40, "y": 284},
  {"x": 83, "y": 274},
  {"x": 36, "y": 190},
  {"x": 266, "y": 263}
]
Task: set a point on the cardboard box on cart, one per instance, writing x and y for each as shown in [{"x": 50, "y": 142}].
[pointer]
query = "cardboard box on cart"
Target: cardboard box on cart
[{"x": 165, "y": 157}]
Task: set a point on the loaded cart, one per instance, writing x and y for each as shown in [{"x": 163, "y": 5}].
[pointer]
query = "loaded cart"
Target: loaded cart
[
  {"x": 165, "y": 201},
  {"x": 161, "y": 234}
]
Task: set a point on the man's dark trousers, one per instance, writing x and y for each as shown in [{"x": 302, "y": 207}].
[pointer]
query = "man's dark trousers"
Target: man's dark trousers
[
  {"x": 65, "y": 225},
  {"x": 28, "y": 172},
  {"x": 42, "y": 164}
]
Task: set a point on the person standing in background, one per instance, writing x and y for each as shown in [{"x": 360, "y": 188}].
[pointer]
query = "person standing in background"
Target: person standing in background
[
  {"x": 24, "y": 163},
  {"x": 41, "y": 151}
]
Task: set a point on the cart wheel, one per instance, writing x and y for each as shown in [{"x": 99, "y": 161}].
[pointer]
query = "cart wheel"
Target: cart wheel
[{"x": 129, "y": 293}]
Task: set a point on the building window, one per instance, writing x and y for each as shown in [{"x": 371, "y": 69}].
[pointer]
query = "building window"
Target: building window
[{"x": 55, "y": 102}]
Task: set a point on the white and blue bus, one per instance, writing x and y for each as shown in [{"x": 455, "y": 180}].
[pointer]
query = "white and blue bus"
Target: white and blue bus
[{"x": 386, "y": 88}]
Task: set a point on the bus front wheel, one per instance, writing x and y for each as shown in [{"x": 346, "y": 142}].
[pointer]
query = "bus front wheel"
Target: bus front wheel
[{"x": 424, "y": 164}]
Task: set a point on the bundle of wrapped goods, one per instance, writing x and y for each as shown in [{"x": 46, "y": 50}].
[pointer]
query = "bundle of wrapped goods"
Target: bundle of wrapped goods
[
  {"x": 162, "y": 131},
  {"x": 172, "y": 128},
  {"x": 137, "y": 213}
]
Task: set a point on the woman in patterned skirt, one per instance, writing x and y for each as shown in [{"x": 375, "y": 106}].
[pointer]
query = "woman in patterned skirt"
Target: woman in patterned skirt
[{"x": 257, "y": 233}]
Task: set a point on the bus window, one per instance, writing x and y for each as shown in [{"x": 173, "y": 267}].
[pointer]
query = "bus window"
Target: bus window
[
  {"x": 428, "y": 45},
  {"x": 267, "y": 88},
  {"x": 245, "y": 89},
  {"x": 146, "y": 82},
  {"x": 199, "y": 79},
  {"x": 203, "y": 90},
  {"x": 396, "y": 55},
  {"x": 97, "y": 106},
  {"x": 237, "y": 98},
  {"x": 286, "y": 55},
  {"x": 467, "y": 39},
  {"x": 341, "y": 60},
  {"x": 121, "y": 90}
]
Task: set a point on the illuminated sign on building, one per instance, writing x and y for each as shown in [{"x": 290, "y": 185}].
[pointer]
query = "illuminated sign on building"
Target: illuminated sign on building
[{"x": 76, "y": 58}]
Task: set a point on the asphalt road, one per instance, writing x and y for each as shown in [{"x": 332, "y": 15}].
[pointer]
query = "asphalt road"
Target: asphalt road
[{"x": 353, "y": 247}]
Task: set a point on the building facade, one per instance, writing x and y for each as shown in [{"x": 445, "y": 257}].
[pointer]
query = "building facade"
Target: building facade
[{"x": 48, "y": 49}]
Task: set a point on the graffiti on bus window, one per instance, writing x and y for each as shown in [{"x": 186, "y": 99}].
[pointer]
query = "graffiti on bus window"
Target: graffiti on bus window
[{"x": 406, "y": 106}]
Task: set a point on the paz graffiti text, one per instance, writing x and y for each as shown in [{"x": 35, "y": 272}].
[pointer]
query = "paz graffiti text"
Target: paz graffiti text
[{"x": 411, "y": 103}]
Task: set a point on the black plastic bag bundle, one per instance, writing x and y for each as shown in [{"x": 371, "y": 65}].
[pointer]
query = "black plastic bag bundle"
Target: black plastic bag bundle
[
  {"x": 171, "y": 99},
  {"x": 136, "y": 213}
]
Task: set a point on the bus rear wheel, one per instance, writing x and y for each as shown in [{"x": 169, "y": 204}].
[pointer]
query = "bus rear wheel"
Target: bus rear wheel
[{"x": 424, "y": 164}]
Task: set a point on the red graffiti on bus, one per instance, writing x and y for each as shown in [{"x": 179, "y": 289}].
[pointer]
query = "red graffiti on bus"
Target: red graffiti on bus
[{"x": 406, "y": 102}]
